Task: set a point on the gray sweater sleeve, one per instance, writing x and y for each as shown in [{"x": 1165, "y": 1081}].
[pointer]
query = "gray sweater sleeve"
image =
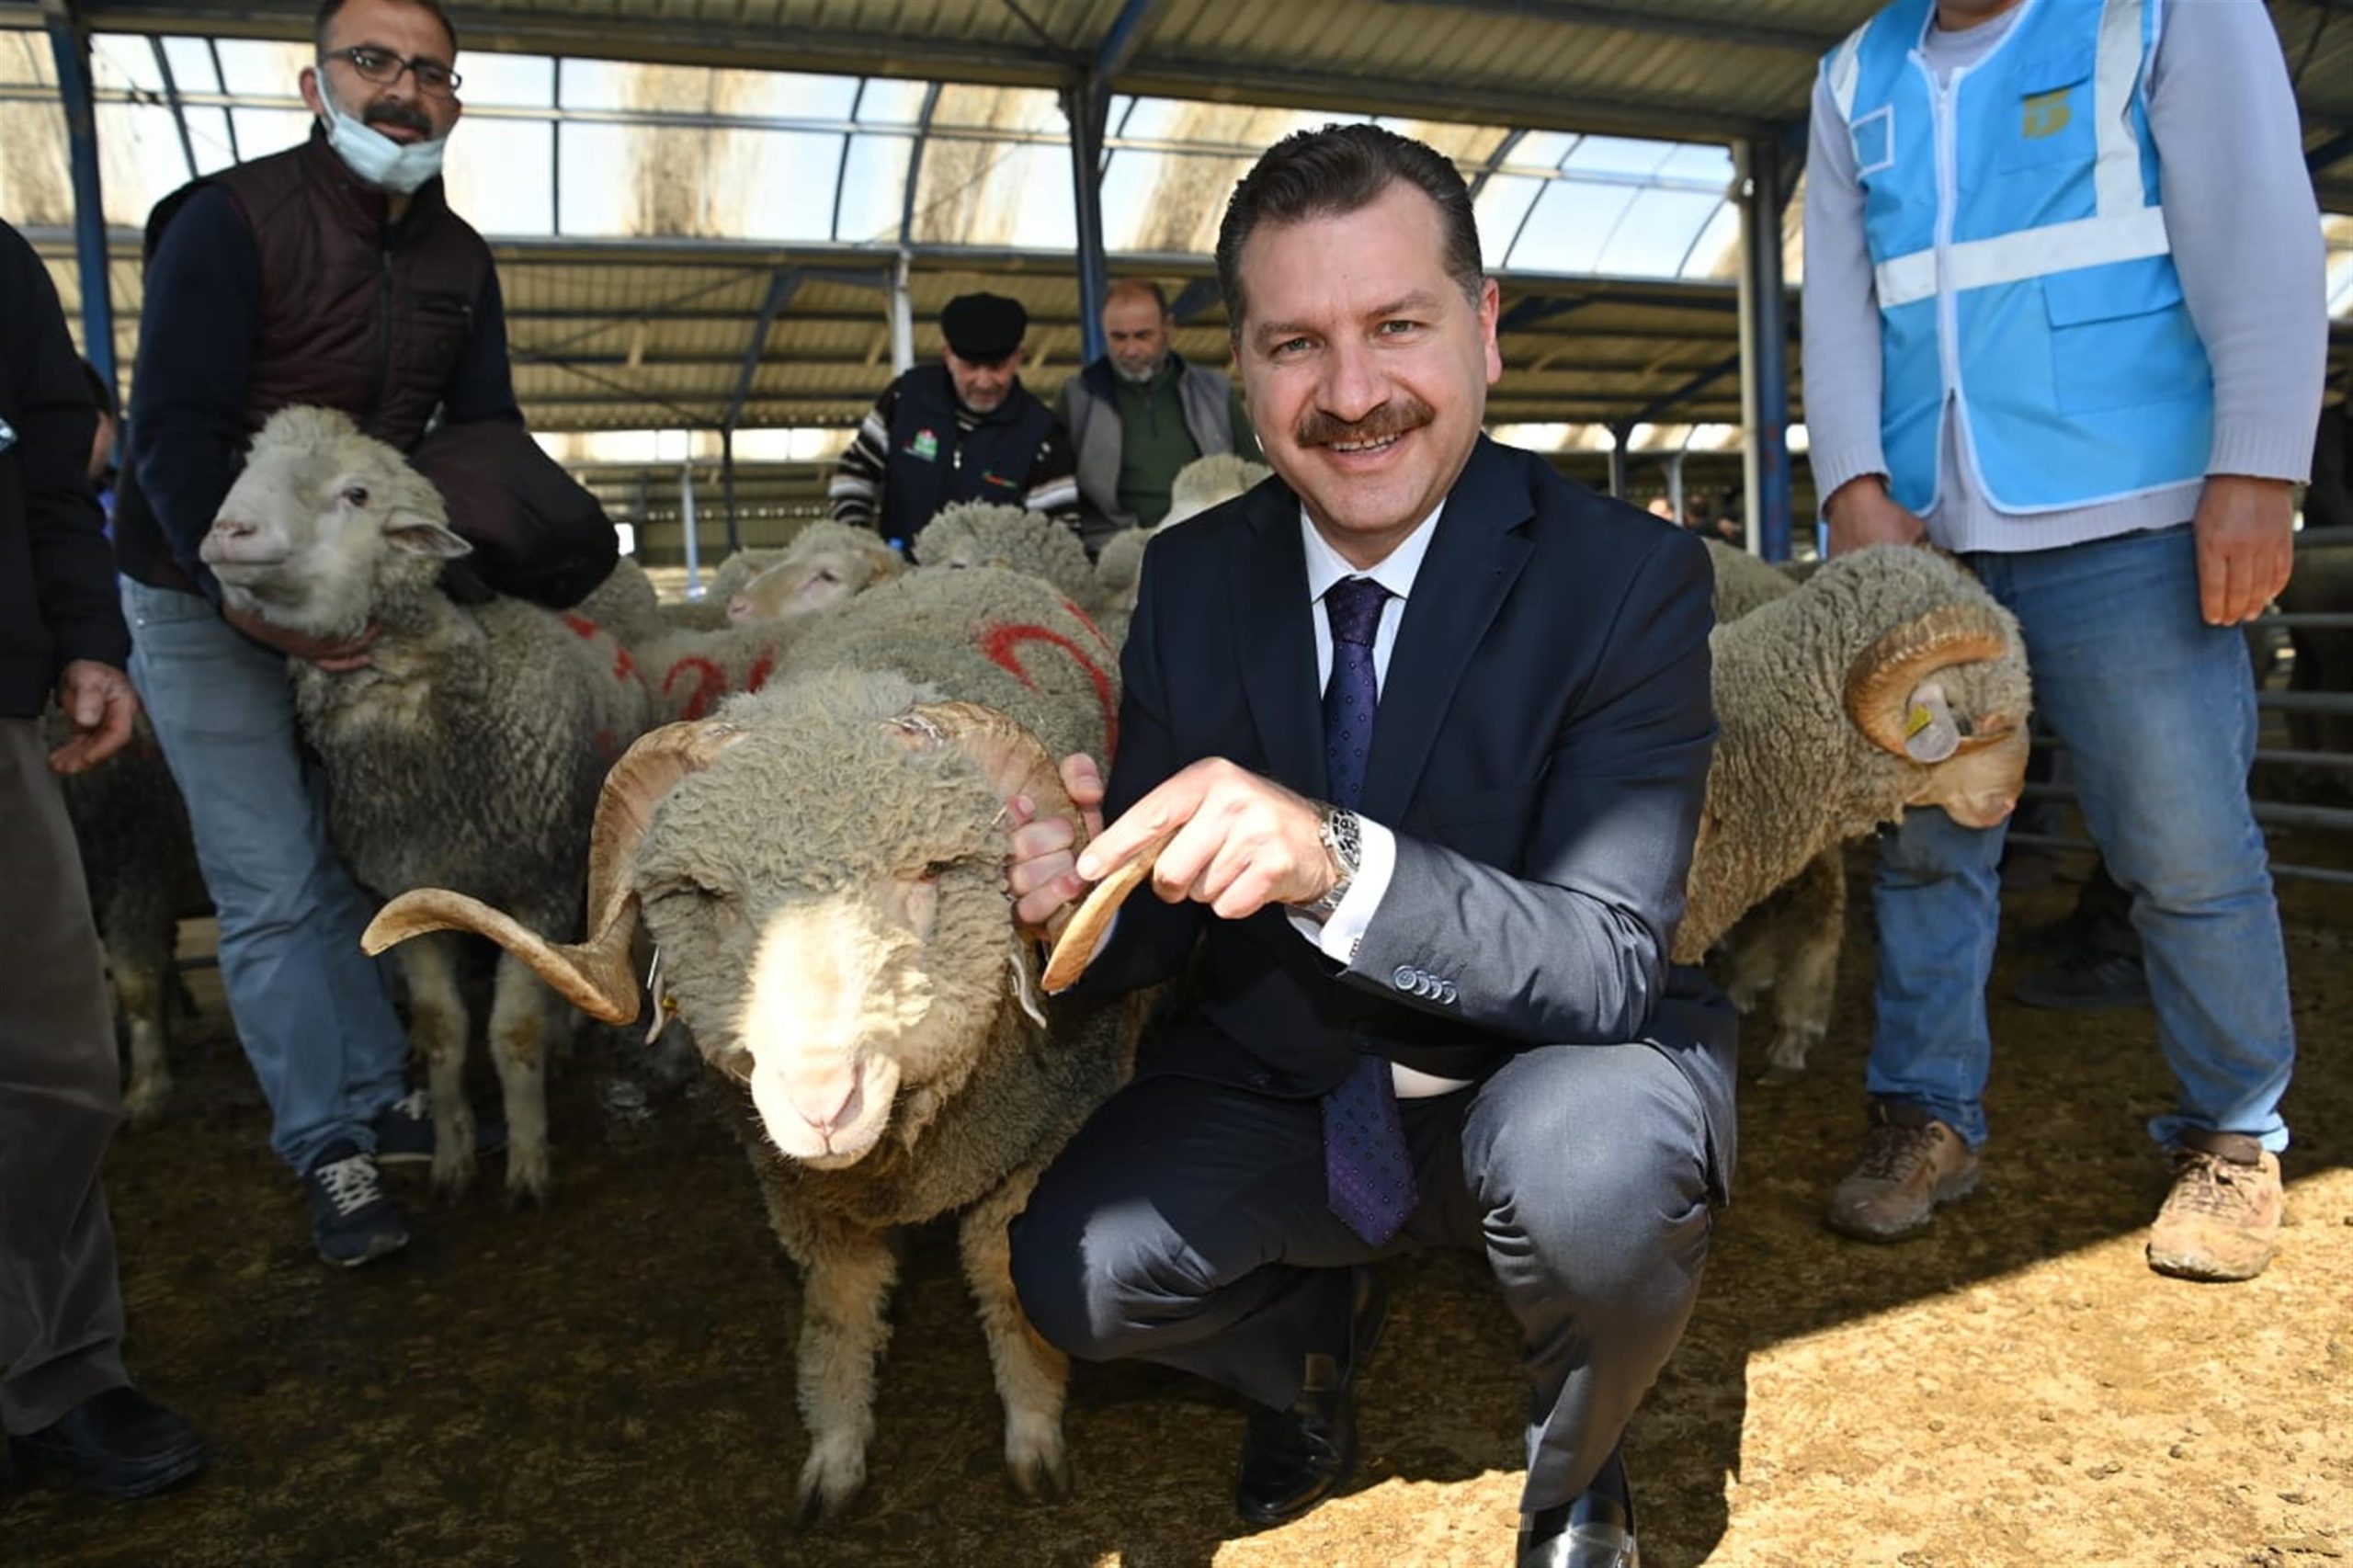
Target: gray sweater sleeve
[
  {"x": 1841, "y": 348},
  {"x": 2245, "y": 231},
  {"x": 2239, "y": 211}
]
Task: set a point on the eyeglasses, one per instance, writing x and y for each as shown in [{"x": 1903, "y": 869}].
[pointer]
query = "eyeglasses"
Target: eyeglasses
[{"x": 383, "y": 67}]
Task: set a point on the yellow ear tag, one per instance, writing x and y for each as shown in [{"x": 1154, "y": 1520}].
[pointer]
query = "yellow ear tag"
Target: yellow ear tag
[{"x": 1917, "y": 718}]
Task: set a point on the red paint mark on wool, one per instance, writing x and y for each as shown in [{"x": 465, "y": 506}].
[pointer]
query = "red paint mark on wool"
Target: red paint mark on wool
[
  {"x": 762, "y": 667},
  {"x": 1003, "y": 641},
  {"x": 711, "y": 686}
]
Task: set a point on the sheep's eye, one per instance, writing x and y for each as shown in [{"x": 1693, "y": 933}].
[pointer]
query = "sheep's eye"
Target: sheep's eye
[
  {"x": 356, "y": 495},
  {"x": 829, "y": 576}
]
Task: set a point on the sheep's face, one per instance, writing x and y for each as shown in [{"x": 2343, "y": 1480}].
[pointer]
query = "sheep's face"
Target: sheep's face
[
  {"x": 300, "y": 535},
  {"x": 846, "y": 953},
  {"x": 795, "y": 588},
  {"x": 1985, "y": 703}
]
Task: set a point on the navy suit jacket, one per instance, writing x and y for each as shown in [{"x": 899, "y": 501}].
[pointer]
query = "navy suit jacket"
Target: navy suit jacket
[{"x": 1540, "y": 752}]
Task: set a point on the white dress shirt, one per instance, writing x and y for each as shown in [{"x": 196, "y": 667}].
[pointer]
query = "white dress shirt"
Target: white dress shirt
[{"x": 1340, "y": 932}]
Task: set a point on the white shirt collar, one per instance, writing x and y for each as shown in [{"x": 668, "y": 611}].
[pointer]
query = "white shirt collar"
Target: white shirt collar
[{"x": 1395, "y": 572}]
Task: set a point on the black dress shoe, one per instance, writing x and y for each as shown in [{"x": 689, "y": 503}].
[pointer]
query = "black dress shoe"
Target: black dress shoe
[
  {"x": 1594, "y": 1530},
  {"x": 1294, "y": 1458},
  {"x": 118, "y": 1443}
]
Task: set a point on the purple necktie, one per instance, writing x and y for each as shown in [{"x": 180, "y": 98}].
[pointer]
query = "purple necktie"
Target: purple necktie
[{"x": 1367, "y": 1169}]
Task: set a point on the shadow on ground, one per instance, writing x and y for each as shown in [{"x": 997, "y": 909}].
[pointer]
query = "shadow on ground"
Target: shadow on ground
[{"x": 609, "y": 1380}]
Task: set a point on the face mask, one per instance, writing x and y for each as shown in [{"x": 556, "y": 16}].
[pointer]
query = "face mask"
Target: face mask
[{"x": 378, "y": 160}]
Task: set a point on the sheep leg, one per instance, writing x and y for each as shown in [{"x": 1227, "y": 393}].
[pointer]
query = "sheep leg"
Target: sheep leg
[
  {"x": 1756, "y": 958},
  {"x": 845, "y": 1279},
  {"x": 1809, "y": 925},
  {"x": 1031, "y": 1375},
  {"x": 436, "y": 1032},
  {"x": 140, "y": 994},
  {"x": 519, "y": 1013}
]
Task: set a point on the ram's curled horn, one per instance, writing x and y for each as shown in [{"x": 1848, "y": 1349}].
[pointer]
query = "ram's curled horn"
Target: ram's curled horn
[
  {"x": 596, "y": 975},
  {"x": 1012, "y": 759},
  {"x": 1882, "y": 680}
]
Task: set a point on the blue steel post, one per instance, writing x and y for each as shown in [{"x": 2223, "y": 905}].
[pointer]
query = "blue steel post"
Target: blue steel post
[
  {"x": 71, "y": 46},
  {"x": 1764, "y": 354},
  {"x": 1086, "y": 105}
]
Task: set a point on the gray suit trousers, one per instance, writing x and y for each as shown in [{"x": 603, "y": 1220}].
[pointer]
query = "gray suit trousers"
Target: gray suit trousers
[
  {"x": 61, "y": 1306},
  {"x": 1186, "y": 1224}
]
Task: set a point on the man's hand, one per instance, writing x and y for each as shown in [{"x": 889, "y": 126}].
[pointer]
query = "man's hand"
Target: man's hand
[
  {"x": 1241, "y": 842},
  {"x": 350, "y": 654},
  {"x": 1040, "y": 869},
  {"x": 2245, "y": 530},
  {"x": 97, "y": 698},
  {"x": 1861, "y": 512}
]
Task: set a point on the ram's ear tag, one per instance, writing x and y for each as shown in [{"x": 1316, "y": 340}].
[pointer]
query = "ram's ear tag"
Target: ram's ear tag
[{"x": 1931, "y": 732}]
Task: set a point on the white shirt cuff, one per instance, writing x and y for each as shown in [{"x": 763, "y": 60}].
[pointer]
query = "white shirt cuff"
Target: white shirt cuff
[{"x": 1340, "y": 932}]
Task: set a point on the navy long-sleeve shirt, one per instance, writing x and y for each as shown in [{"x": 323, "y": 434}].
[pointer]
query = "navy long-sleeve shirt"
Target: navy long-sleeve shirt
[{"x": 197, "y": 332}]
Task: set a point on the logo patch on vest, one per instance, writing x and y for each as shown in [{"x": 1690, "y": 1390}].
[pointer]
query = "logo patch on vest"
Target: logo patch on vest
[
  {"x": 2046, "y": 114},
  {"x": 990, "y": 476},
  {"x": 925, "y": 445}
]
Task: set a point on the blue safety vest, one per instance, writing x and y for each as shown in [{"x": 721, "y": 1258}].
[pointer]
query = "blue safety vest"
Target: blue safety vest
[{"x": 2022, "y": 265}]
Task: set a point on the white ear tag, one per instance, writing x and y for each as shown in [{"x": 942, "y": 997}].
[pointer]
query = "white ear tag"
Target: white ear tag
[{"x": 1930, "y": 732}]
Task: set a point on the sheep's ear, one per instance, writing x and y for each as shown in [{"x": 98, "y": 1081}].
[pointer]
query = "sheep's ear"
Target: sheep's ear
[{"x": 420, "y": 535}]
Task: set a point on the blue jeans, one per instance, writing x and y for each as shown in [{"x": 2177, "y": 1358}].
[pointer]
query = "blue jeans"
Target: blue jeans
[
  {"x": 2157, "y": 711},
  {"x": 313, "y": 1011}
]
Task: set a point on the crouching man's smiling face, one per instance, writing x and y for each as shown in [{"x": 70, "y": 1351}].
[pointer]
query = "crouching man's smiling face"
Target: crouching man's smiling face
[{"x": 1367, "y": 365}]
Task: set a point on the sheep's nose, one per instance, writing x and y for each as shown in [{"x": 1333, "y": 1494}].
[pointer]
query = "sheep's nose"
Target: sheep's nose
[
  {"x": 230, "y": 527},
  {"x": 739, "y": 607},
  {"x": 833, "y": 1110}
]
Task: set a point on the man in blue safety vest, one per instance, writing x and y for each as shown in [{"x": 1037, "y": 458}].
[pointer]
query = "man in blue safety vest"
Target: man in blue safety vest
[{"x": 2065, "y": 316}]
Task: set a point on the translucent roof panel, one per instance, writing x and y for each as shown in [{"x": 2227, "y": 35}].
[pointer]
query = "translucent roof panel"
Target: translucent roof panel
[
  {"x": 995, "y": 194},
  {"x": 616, "y": 149}
]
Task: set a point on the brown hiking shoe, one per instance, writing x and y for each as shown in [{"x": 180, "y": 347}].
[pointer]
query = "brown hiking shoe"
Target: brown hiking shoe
[
  {"x": 1911, "y": 1163},
  {"x": 2221, "y": 1218}
]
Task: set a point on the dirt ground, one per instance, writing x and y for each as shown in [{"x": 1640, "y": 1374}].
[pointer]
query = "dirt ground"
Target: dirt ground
[{"x": 609, "y": 1380}]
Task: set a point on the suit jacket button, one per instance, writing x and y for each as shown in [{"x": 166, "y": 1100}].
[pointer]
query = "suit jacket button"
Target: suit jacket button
[
  {"x": 1446, "y": 991},
  {"x": 1404, "y": 977}
]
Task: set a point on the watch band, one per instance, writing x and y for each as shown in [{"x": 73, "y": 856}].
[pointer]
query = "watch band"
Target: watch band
[{"x": 1344, "y": 843}]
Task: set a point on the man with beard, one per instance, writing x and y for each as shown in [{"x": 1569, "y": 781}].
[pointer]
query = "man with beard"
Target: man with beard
[
  {"x": 334, "y": 273},
  {"x": 965, "y": 429},
  {"x": 1420, "y": 736},
  {"x": 1141, "y": 413}
]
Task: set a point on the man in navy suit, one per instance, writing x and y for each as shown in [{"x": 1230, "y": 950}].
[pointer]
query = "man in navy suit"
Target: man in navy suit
[{"x": 1430, "y": 727}]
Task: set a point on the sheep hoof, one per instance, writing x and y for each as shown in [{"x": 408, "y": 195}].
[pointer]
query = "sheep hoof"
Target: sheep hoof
[
  {"x": 453, "y": 1169},
  {"x": 830, "y": 1481},
  {"x": 1776, "y": 1074},
  {"x": 528, "y": 1178},
  {"x": 1039, "y": 1477},
  {"x": 142, "y": 1103}
]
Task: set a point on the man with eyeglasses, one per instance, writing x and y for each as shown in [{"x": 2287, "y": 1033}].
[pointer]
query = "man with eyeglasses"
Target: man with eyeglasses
[{"x": 333, "y": 273}]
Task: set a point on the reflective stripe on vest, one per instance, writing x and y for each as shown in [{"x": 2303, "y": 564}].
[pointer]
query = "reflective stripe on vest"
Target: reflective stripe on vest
[{"x": 2022, "y": 267}]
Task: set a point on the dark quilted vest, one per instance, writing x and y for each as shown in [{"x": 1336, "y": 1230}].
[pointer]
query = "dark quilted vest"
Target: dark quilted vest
[{"x": 354, "y": 314}]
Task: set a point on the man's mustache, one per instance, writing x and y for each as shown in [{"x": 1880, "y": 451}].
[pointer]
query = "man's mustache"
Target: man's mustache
[
  {"x": 391, "y": 111},
  {"x": 1400, "y": 414}
]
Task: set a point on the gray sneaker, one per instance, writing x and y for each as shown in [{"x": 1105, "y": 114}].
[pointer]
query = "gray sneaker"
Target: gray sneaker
[
  {"x": 1911, "y": 1163},
  {"x": 352, "y": 1222}
]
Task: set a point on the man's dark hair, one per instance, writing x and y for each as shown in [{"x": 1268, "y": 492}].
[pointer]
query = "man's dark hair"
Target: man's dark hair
[
  {"x": 328, "y": 9},
  {"x": 1331, "y": 172}
]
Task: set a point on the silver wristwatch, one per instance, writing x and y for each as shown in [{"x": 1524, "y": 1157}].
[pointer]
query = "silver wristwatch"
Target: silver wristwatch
[{"x": 1344, "y": 845}]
